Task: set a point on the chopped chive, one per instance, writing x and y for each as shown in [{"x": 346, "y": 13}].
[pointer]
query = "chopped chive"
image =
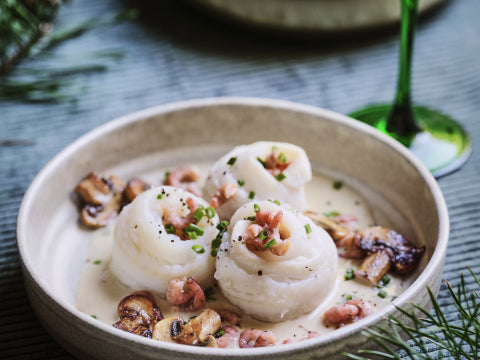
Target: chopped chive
[
  {"x": 222, "y": 227},
  {"x": 264, "y": 164},
  {"x": 169, "y": 229},
  {"x": 219, "y": 333},
  {"x": 308, "y": 229},
  {"x": 337, "y": 185},
  {"x": 274, "y": 147},
  {"x": 198, "y": 249},
  {"x": 94, "y": 316},
  {"x": 276, "y": 202},
  {"x": 251, "y": 195},
  {"x": 280, "y": 177},
  {"x": 241, "y": 182},
  {"x": 231, "y": 161},
  {"x": 251, "y": 218},
  {"x": 282, "y": 158},
  {"x": 167, "y": 174},
  {"x": 159, "y": 196},
  {"x": 382, "y": 293},
  {"x": 263, "y": 235},
  {"x": 349, "y": 297},
  {"x": 269, "y": 244},
  {"x": 349, "y": 275},
  {"x": 385, "y": 279},
  {"x": 199, "y": 214},
  {"x": 256, "y": 208},
  {"x": 210, "y": 212},
  {"x": 97, "y": 262},
  {"x": 331, "y": 214},
  {"x": 192, "y": 228}
]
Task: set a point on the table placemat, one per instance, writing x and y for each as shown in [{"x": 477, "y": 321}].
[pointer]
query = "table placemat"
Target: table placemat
[{"x": 174, "y": 52}]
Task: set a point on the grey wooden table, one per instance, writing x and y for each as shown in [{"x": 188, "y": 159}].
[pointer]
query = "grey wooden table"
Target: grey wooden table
[{"x": 174, "y": 53}]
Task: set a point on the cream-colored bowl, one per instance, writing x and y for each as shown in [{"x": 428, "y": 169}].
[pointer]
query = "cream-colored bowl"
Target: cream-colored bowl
[
  {"x": 52, "y": 245},
  {"x": 312, "y": 15}
]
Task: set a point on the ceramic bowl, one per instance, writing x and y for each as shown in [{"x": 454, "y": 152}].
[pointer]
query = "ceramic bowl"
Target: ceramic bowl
[
  {"x": 52, "y": 245},
  {"x": 312, "y": 15}
]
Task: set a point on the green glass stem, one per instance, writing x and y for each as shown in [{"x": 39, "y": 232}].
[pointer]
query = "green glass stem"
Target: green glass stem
[{"x": 401, "y": 123}]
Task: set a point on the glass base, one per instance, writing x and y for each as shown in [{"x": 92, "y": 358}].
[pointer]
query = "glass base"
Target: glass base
[{"x": 442, "y": 144}]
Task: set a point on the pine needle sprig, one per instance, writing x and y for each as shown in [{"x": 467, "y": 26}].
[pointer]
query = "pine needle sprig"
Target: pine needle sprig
[
  {"x": 25, "y": 32},
  {"x": 430, "y": 333}
]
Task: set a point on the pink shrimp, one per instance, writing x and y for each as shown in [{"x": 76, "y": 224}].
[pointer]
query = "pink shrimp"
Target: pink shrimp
[
  {"x": 274, "y": 164},
  {"x": 229, "y": 316},
  {"x": 231, "y": 333},
  {"x": 351, "y": 311},
  {"x": 171, "y": 217},
  {"x": 191, "y": 300},
  {"x": 184, "y": 177},
  {"x": 222, "y": 194},
  {"x": 256, "y": 338},
  {"x": 269, "y": 222}
]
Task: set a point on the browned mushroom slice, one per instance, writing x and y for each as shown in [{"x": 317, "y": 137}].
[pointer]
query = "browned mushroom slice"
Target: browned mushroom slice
[
  {"x": 102, "y": 197},
  {"x": 134, "y": 188},
  {"x": 199, "y": 329},
  {"x": 168, "y": 329},
  {"x": 138, "y": 314},
  {"x": 373, "y": 268},
  {"x": 402, "y": 253},
  {"x": 93, "y": 189}
]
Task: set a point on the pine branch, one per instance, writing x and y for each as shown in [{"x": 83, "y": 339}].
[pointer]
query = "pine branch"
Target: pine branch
[{"x": 434, "y": 328}]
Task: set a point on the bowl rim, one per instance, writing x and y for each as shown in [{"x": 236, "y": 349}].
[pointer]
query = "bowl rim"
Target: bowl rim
[{"x": 434, "y": 264}]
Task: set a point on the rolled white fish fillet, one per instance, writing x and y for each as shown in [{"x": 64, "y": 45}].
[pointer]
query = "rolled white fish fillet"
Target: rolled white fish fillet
[
  {"x": 243, "y": 168},
  {"x": 146, "y": 256},
  {"x": 269, "y": 287}
]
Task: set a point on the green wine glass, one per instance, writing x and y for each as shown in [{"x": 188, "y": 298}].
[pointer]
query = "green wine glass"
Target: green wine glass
[{"x": 436, "y": 139}]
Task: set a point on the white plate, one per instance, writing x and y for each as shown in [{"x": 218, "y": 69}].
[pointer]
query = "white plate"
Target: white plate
[{"x": 52, "y": 245}]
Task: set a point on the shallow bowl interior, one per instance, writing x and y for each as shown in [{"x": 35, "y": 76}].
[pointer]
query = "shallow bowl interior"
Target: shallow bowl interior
[{"x": 52, "y": 246}]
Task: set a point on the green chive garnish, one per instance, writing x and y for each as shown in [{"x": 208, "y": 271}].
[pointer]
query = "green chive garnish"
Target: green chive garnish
[
  {"x": 263, "y": 235},
  {"x": 231, "y": 161},
  {"x": 331, "y": 214},
  {"x": 280, "y": 177},
  {"x": 382, "y": 293},
  {"x": 97, "y": 262},
  {"x": 251, "y": 195},
  {"x": 198, "y": 249},
  {"x": 210, "y": 212},
  {"x": 349, "y": 297},
  {"x": 256, "y": 208},
  {"x": 199, "y": 213},
  {"x": 219, "y": 333},
  {"x": 269, "y": 244},
  {"x": 222, "y": 227},
  {"x": 251, "y": 218},
  {"x": 308, "y": 229},
  {"x": 241, "y": 182},
  {"x": 192, "y": 228},
  {"x": 169, "y": 229},
  {"x": 264, "y": 164},
  {"x": 159, "y": 196},
  {"x": 94, "y": 316},
  {"x": 349, "y": 275},
  {"x": 282, "y": 158},
  {"x": 337, "y": 185},
  {"x": 385, "y": 279}
]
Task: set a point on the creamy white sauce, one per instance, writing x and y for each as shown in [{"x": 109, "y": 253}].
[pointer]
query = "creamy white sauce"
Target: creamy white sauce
[{"x": 99, "y": 292}]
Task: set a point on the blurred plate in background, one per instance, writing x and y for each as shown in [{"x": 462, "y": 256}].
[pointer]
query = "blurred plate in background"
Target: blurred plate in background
[{"x": 312, "y": 15}]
